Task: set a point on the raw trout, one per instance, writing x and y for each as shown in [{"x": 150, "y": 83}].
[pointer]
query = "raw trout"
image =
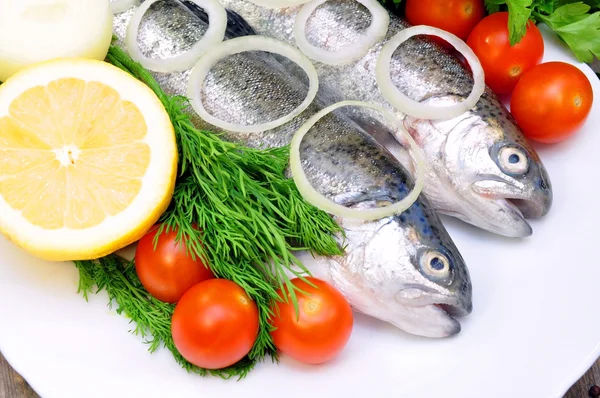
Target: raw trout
[
  {"x": 481, "y": 168},
  {"x": 404, "y": 269}
]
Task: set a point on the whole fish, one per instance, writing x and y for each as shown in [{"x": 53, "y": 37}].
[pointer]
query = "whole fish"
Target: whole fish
[
  {"x": 404, "y": 269},
  {"x": 481, "y": 168}
]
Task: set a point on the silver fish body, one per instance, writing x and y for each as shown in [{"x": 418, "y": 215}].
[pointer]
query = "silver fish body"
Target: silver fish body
[
  {"x": 481, "y": 168},
  {"x": 403, "y": 269}
]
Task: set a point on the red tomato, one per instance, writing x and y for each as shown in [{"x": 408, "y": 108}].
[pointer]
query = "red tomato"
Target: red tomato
[
  {"x": 552, "y": 101},
  {"x": 502, "y": 63},
  {"x": 455, "y": 16},
  {"x": 323, "y": 327},
  {"x": 215, "y": 324},
  {"x": 168, "y": 271}
]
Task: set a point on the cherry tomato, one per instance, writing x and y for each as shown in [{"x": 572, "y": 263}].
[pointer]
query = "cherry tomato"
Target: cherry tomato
[
  {"x": 215, "y": 324},
  {"x": 458, "y": 17},
  {"x": 323, "y": 327},
  {"x": 552, "y": 101},
  {"x": 502, "y": 63},
  {"x": 167, "y": 272}
]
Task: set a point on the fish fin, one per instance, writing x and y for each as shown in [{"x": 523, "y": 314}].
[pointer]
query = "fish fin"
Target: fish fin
[{"x": 236, "y": 25}]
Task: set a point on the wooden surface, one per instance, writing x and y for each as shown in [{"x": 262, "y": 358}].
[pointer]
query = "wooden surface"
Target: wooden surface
[{"x": 14, "y": 386}]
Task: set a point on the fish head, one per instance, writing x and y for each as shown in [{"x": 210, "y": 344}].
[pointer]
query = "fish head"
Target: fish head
[
  {"x": 407, "y": 271},
  {"x": 482, "y": 158},
  {"x": 404, "y": 268}
]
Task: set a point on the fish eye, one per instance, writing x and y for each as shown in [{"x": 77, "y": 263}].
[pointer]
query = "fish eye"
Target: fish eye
[
  {"x": 513, "y": 160},
  {"x": 435, "y": 265}
]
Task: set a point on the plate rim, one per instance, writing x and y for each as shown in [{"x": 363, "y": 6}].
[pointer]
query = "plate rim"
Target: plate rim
[{"x": 570, "y": 379}]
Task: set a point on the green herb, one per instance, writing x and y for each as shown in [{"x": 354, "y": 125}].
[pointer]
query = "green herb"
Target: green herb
[
  {"x": 576, "y": 22},
  {"x": 248, "y": 215},
  {"x": 152, "y": 317},
  {"x": 396, "y": 3},
  {"x": 519, "y": 12},
  {"x": 493, "y": 6}
]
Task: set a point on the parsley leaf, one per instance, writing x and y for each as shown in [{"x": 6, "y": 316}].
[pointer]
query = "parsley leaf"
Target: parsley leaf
[
  {"x": 565, "y": 15},
  {"x": 545, "y": 6},
  {"x": 576, "y": 22},
  {"x": 493, "y": 6},
  {"x": 580, "y": 30},
  {"x": 592, "y": 3},
  {"x": 519, "y": 12}
]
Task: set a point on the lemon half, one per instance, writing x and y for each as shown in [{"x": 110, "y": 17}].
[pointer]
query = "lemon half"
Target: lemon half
[{"x": 88, "y": 159}]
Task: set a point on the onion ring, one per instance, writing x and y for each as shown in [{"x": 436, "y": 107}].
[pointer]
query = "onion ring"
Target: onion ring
[
  {"x": 238, "y": 45},
  {"x": 316, "y": 199},
  {"x": 118, "y": 6},
  {"x": 215, "y": 34},
  {"x": 349, "y": 53},
  {"x": 413, "y": 108}
]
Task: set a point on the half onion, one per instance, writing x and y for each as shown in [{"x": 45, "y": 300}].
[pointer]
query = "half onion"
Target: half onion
[
  {"x": 349, "y": 53},
  {"x": 313, "y": 197},
  {"x": 217, "y": 17},
  {"x": 37, "y": 31},
  {"x": 242, "y": 44},
  {"x": 413, "y": 108},
  {"x": 118, "y": 6}
]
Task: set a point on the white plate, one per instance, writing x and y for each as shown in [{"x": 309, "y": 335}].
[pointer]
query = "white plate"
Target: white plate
[{"x": 533, "y": 332}]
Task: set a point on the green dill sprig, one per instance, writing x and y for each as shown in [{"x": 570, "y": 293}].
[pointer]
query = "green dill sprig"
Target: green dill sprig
[
  {"x": 235, "y": 209},
  {"x": 152, "y": 318}
]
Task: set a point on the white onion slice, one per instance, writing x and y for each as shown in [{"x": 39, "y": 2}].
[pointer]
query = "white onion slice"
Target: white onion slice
[
  {"x": 313, "y": 197},
  {"x": 352, "y": 52},
  {"x": 217, "y": 17},
  {"x": 118, "y": 6},
  {"x": 242, "y": 44},
  {"x": 413, "y": 108}
]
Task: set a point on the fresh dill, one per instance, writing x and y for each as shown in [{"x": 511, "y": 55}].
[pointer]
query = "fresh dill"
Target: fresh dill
[
  {"x": 236, "y": 209},
  {"x": 152, "y": 317}
]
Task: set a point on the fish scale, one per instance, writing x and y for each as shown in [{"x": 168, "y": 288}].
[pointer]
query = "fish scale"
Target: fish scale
[{"x": 390, "y": 266}]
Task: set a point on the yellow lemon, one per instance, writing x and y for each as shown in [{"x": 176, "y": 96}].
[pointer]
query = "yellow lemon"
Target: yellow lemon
[{"x": 88, "y": 159}]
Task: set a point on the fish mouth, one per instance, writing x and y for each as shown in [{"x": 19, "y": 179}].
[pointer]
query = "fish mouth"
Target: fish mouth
[
  {"x": 524, "y": 203},
  {"x": 522, "y": 210},
  {"x": 436, "y": 320},
  {"x": 434, "y": 316},
  {"x": 507, "y": 214},
  {"x": 513, "y": 221},
  {"x": 453, "y": 310},
  {"x": 499, "y": 216},
  {"x": 446, "y": 323},
  {"x": 530, "y": 208}
]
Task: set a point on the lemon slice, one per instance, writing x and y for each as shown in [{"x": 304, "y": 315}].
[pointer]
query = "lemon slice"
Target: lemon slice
[{"x": 88, "y": 159}]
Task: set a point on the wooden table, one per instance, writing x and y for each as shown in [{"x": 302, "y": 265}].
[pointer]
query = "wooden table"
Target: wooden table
[{"x": 12, "y": 385}]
